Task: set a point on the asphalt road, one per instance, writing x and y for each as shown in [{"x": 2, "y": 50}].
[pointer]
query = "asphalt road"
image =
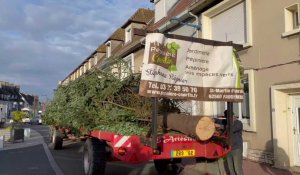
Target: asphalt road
[
  {"x": 33, "y": 160},
  {"x": 38, "y": 160},
  {"x": 26, "y": 161},
  {"x": 69, "y": 159}
]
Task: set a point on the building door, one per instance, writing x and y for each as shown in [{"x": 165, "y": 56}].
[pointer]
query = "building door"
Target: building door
[{"x": 296, "y": 128}]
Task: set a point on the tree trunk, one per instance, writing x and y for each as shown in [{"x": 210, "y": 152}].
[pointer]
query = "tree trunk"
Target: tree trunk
[{"x": 202, "y": 127}]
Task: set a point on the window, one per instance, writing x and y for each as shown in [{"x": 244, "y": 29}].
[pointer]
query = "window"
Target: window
[
  {"x": 128, "y": 67},
  {"x": 90, "y": 63},
  {"x": 162, "y": 7},
  {"x": 85, "y": 68},
  {"x": 229, "y": 20},
  {"x": 95, "y": 59},
  {"x": 128, "y": 34},
  {"x": 291, "y": 19},
  {"x": 108, "y": 49},
  {"x": 78, "y": 73},
  {"x": 81, "y": 70},
  {"x": 159, "y": 10},
  {"x": 244, "y": 110}
]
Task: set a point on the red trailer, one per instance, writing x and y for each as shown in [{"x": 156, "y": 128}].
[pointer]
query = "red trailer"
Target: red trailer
[
  {"x": 101, "y": 147},
  {"x": 163, "y": 149}
]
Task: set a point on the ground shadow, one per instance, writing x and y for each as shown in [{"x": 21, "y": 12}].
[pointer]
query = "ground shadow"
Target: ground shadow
[{"x": 280, "y": 156}]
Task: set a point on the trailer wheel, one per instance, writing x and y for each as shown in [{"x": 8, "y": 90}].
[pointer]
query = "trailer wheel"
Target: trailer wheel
[
  {"x": 57, "y": 140},
  {"x": 94, "y": 157},
  {"x": 165, "y": 167}
]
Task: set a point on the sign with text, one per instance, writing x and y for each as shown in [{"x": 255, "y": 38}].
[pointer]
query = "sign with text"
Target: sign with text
[{"x": 184, "y": 69}]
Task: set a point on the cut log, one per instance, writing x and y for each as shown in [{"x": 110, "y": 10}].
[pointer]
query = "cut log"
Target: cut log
[{"x": 202, "y": 127}]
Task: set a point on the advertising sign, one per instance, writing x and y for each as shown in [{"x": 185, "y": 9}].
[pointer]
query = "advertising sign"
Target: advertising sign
[{"x": 184, "y": 69}]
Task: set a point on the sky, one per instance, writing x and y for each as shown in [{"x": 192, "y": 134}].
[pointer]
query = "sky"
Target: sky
[{"x": 42, "y": 41}]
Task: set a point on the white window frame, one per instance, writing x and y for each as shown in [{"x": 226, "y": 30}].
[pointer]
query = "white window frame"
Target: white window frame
[
  {"x": 81, "y": 70},
  {"x": 163, "y": 12},
  {"x": 126, "y": 59},
  {"x": 289, "y": 20},
  {"x": 166, "y": 6},
  {"x": 78, "y": 73},
  {"x": 128, "y": 34},
  {"x": 90, "y": 63},
  {"x": 96, "y": 59},
  {"x": 108, "y": 49},
  {"x": 221, "y": 7},
  {"x": 85, "y": 67},
  {"x": 248, "y": 124}
]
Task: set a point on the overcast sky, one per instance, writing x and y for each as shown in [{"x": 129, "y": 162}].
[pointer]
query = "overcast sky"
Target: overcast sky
[{"x": 42, "y": 41}]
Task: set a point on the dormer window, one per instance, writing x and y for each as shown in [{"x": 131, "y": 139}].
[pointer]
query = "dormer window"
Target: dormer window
[
  {"x": 108, "y": 49},
  {"x": 128, "y": 34}
]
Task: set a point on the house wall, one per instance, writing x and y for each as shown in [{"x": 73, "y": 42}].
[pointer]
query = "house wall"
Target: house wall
[
  {"x": 137, "y": 25},
  {"x": 186, "y": 30},
  {"x": 115, "y": 44},
  {"x": 268, "y": 55},
  {"x": 270, "y": 49}
]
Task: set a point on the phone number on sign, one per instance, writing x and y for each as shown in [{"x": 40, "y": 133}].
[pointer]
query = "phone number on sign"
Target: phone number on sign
[{"x": 170, "y": 87}]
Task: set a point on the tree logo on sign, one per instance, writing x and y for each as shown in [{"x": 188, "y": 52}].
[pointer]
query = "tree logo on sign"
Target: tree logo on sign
[{"x": 164, "y": 55}]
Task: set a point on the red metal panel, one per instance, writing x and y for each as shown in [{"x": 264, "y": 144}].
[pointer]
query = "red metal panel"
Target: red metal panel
[
  {"x": 136, "y": 152},
  {"x": 207, "y": 149},
  {"x": 107, "y": 136}
]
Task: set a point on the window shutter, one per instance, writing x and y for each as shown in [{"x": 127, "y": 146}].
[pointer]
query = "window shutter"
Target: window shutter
[{"x": 230, "y": 25}]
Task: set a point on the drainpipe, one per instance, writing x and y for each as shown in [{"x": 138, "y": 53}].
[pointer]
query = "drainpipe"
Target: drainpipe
[
  {"x": 196, "y": 104},
  {"x": 197, "y": 22}
]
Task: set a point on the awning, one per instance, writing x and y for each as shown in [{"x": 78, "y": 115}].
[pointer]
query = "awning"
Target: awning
[{"x": 25, "y": 109}]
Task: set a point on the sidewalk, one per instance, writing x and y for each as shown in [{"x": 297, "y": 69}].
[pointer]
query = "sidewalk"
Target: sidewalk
[
  {"x": 35, "y": 140},
  {"x": 255, "y": 168}
]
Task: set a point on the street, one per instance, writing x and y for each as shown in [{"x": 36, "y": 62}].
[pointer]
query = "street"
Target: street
[
  {"x": 69, "y": 160},
  {"x": 34, "y": 157}
]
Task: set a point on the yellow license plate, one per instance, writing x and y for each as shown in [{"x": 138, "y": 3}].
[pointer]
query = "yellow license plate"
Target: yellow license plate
[{"x": 183, "y": 153}]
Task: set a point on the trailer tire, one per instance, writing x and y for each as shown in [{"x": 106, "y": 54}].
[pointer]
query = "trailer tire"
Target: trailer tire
[
  {"x": 165, "y": 167},
  {"x": 94, "y": 157},
  {"x": 57, "y": 140}
]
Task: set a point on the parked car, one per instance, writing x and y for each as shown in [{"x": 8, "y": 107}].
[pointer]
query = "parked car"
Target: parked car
[
  {"x": 26, "y": 120},
  {"x": 36, "y": 121}
]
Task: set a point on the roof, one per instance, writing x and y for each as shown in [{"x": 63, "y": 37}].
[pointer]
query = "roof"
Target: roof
[
  {"x": 118, "y": 35},
  {"x": 129, "y": 48},
  {"x": 101, "y": 48},
  {"x": 11, "y": 93},
  {"x": 142, "y": 15},
  {"x": 28, "y": 98}
]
